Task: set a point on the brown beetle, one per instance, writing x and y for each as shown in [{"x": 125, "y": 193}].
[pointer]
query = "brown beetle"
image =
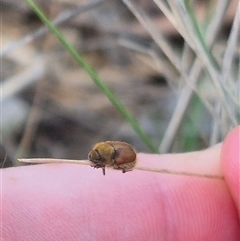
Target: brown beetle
[{"x": 116, "y": 154}]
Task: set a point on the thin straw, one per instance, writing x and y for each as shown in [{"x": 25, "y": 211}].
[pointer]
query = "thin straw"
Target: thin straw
[{"x": 141, "y": 168}]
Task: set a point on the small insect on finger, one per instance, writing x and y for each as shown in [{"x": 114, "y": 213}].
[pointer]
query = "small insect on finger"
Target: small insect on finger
[{"x": 115, "y": 154}]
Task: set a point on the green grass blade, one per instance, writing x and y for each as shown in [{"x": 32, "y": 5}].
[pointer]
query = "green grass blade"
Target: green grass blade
[{"x": 103, "y": 87}]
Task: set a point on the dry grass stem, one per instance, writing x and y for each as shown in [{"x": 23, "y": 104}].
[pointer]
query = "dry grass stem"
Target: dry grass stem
[{"x": 137, "y": 167}]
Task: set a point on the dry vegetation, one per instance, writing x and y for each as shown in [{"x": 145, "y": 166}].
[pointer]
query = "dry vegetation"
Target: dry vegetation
[{"x": 51, "y": 107}]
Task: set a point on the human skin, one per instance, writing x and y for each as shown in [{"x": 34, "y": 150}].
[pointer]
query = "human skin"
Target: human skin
[{"x": 75, "y": 202}]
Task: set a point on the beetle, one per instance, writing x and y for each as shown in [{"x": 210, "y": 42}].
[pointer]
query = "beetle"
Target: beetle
[{"x": 116, "y": 154}]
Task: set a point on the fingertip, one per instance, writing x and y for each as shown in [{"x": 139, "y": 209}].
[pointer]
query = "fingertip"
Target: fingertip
[{"x": 230, "y": 160}]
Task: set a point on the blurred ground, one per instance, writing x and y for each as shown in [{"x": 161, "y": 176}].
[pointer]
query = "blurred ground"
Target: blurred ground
[{"x": 51, "y": 108}]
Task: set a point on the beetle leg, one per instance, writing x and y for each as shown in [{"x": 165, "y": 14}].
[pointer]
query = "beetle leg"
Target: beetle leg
[
  {"x": 126, "y": 170},
  {"x": 103, "y": 170},
  {"x": 99, "y": 166}
]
